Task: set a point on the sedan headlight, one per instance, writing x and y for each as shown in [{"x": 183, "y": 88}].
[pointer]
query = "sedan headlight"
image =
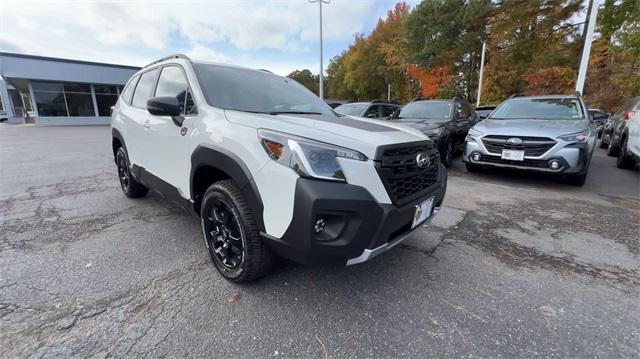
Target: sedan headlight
[
  {"x": 307, "y": 157},
  {"x": 434, "y": 132},
  {"x": 472, "y": 134},
  {"x": 576, "y": 137}
]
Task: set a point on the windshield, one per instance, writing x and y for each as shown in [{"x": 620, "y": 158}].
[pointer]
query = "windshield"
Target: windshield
[
  {"x": 426, "y": 109},
  {"x": 540, "y": 109},
  {"x": 351, "y": 109},
  {"x": 256, "y": 91}
]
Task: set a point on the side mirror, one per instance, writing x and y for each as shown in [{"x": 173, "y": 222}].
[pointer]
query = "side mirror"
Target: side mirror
[
  {"x": 484, "y": 116},
  {"x": 165, "y": 106}
]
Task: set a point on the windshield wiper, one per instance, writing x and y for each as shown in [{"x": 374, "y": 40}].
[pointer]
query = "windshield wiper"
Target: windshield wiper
[{"x": 294, "y": 113}]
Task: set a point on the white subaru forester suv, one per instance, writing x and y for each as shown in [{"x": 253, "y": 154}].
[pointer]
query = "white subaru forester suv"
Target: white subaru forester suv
[{"x": 270, "y": 168}]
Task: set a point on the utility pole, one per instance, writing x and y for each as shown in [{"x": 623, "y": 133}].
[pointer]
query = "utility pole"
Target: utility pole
[
  {"x": 388, "y": 92},
  {"x": 321, "y": 66},
  {"x": 484, "y": 49},
  {"x": 586, "y": 50}
]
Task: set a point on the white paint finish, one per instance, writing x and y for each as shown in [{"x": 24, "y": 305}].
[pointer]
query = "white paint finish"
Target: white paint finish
[
  {"x": 364, "y": 174},
  {"x": 633, "y": 142},
  {"x": 277, "y": 186}
]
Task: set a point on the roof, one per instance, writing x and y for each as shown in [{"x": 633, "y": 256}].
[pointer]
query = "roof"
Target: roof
[
  {"x": 57, "y": 59},
  {"x": 542, "y": 97}
]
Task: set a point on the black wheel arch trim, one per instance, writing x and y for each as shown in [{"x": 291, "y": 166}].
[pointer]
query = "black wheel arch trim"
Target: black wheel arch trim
[
  {"x": 115, "y": 134},
  {"x": 229, "y": 163}
]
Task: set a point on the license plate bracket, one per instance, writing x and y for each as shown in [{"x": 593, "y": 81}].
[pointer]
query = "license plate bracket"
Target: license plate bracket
[{"x": 423, "y": 212}]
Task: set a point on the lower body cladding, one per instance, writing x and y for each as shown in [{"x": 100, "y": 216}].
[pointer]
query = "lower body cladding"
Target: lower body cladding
[
  {"x": 571, "y": 159},
  {"x": 339, "y": 223}
]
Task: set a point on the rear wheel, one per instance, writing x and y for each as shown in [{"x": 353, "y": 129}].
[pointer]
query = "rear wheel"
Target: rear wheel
[
  {"x": 602, "y": 143},
  {"x": 232, "y": 235},
  {"x": 624, "y": 159},
  {"x": 612, "y": 150},
  {"x": 130, "y": 187}
]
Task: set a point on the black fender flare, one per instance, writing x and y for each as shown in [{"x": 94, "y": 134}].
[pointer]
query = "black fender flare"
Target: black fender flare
[
  {"x": 116, "y": 134},
  {"x": 229, "y": 163}
]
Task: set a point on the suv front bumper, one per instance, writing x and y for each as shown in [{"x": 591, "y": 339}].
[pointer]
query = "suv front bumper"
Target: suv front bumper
[{"x": 357, "y": 227}]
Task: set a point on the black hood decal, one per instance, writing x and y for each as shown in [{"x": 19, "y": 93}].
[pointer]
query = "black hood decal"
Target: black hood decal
[{"x": 350, "y": 122}]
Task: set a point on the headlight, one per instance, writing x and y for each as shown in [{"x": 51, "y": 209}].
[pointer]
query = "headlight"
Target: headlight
[
  {"x": 576, "y": 137},
  {"x": 436, "y": 132},
  {"x": 473, "y": 133},
  {"x": 307, "y": 157}
]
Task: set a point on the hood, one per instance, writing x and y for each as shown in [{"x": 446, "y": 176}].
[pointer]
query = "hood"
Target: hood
[
  {"x": 354, "y": 133},
  {"x": 421, "y": 124},
  {"x": 530, "y": 127}
]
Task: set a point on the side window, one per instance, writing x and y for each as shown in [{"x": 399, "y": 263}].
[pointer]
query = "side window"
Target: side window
[
  {"x": 128, "y": 91},
  {"x": 458, "y": 112},
  {"x": 144, "y": 89},
  {"x": 388, "y": 110},
  {"x": 173, "y": 83},
  {"x": 372, "y": 112}
]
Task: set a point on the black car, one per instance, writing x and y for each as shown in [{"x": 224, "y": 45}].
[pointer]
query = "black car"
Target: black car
[
  {"x": 599, "y": 118},
  {"x": 446, "y": 122},
  {"x": 379, "y": 109},
  {"x": 484, "y": 111}
]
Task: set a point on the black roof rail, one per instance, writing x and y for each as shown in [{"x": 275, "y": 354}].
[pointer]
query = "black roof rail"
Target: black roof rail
[
  {"x": 174, "y": 56},
  {"x": 517, "y": 94},
  {"x": 419, "y": 99},
  {"x": 265, "y": 70}
]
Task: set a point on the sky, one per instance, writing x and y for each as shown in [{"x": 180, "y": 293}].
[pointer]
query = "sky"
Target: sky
[{"x": 280, "y": 36}]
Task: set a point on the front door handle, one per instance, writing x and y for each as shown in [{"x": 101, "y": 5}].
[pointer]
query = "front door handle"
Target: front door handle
[{"x": 146, "y": 124}]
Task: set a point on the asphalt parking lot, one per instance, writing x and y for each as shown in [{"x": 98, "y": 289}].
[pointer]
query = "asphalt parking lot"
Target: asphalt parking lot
[{"x": 514, "y": 266}]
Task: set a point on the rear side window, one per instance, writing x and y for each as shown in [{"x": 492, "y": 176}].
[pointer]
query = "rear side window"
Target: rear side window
[
  {"x": 173, "y": 83},
  {"x": 372, "y": 112},
  {"x": 388, "y": 110},
  {"x": 128, "y": 91},
  {"x": 144, "y": 89}
]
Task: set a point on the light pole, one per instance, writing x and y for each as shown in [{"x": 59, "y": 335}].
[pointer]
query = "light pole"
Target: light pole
[
  {"x": 484, "y": 49},
  {"x": 321, "y": 67},
  {"x": 586, "y": 50}
]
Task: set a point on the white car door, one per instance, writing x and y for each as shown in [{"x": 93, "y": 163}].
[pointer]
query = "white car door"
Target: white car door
[
  {"x": 633, "y": 142},
  {"x": 171, "y": 161}
]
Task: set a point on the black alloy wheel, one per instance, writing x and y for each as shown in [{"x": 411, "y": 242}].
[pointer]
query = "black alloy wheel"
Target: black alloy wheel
[
  {"x": 130, "y": 187},
  {"x": 447, "y": 156},
  {"x": 224, "y": 235}
]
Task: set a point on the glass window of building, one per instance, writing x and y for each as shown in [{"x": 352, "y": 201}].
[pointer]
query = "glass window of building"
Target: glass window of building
[
  {"x": 106, "y": 96},
  {"x": 144, "y": 89},
  {"x": 49, "y": 99},
  {"x": 79, "y": 100}
]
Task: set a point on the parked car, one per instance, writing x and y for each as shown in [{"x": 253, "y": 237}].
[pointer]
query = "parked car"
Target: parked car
[
  {"x": 550, "y": 134},
  {"x": 629, "y": 154},
  {"x": 617, "y": 128},
  {"x": 599, "y": 118},
  {"x": 484, "y": 111},
  {"x": 379, "y": 109},
  {"x": 334, "y": 103},
  {"x": 446, "y": 122},
  {"x": 269, "y": 168}
]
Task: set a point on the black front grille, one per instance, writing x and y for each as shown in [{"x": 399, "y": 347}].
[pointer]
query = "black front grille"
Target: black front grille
[
  {"x": 402, "y": 178},
  {"x": 532, "y": 146}
]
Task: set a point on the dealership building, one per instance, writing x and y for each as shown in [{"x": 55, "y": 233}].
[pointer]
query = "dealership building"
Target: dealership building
[{"x": 53, "y": 91}]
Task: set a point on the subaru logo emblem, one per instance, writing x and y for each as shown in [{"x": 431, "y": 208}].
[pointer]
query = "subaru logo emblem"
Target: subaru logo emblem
[
  {"x": 423, "y": 160},
  {"x": 514, "y": 141}
]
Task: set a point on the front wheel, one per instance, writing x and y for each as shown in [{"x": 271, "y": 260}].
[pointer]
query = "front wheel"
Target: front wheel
[
  {"x": 472, "y": 168},
  {"x": 612, "y": 150},
  {"x": 130, "y": 187},
  {"x": 624, "y": 160},
  {"x": 232, "y": 235},
  {"x": 447, "y": 155}
]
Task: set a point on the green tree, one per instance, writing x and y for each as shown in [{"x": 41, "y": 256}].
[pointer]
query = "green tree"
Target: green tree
[{"x": 306, "y": 79}]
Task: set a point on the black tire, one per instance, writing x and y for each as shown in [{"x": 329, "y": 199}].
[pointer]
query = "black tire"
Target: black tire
[
  {"x": 446, "y": 155},
  {"x": 577, "y": 180},
  {"x": 130, "y": 187},
  {"x": 624, "y": 160},
  {"x": 472, "y": 168},
  {"x": 602, "y": 144},
  {"x": 612, "y": 150},
  {"x": 232, "y": 235}
]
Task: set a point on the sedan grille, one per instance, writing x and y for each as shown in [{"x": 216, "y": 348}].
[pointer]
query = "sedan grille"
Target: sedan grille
[
  {"x": 400, "y": 174},
  {"x": 532, "y": 146}
]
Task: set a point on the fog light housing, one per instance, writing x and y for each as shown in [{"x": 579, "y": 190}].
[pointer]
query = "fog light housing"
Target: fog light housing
[
  {"x": 554, "y": 164},
  {"x": 475, "y": 157},
  {"x": 319, "y": 225}
]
